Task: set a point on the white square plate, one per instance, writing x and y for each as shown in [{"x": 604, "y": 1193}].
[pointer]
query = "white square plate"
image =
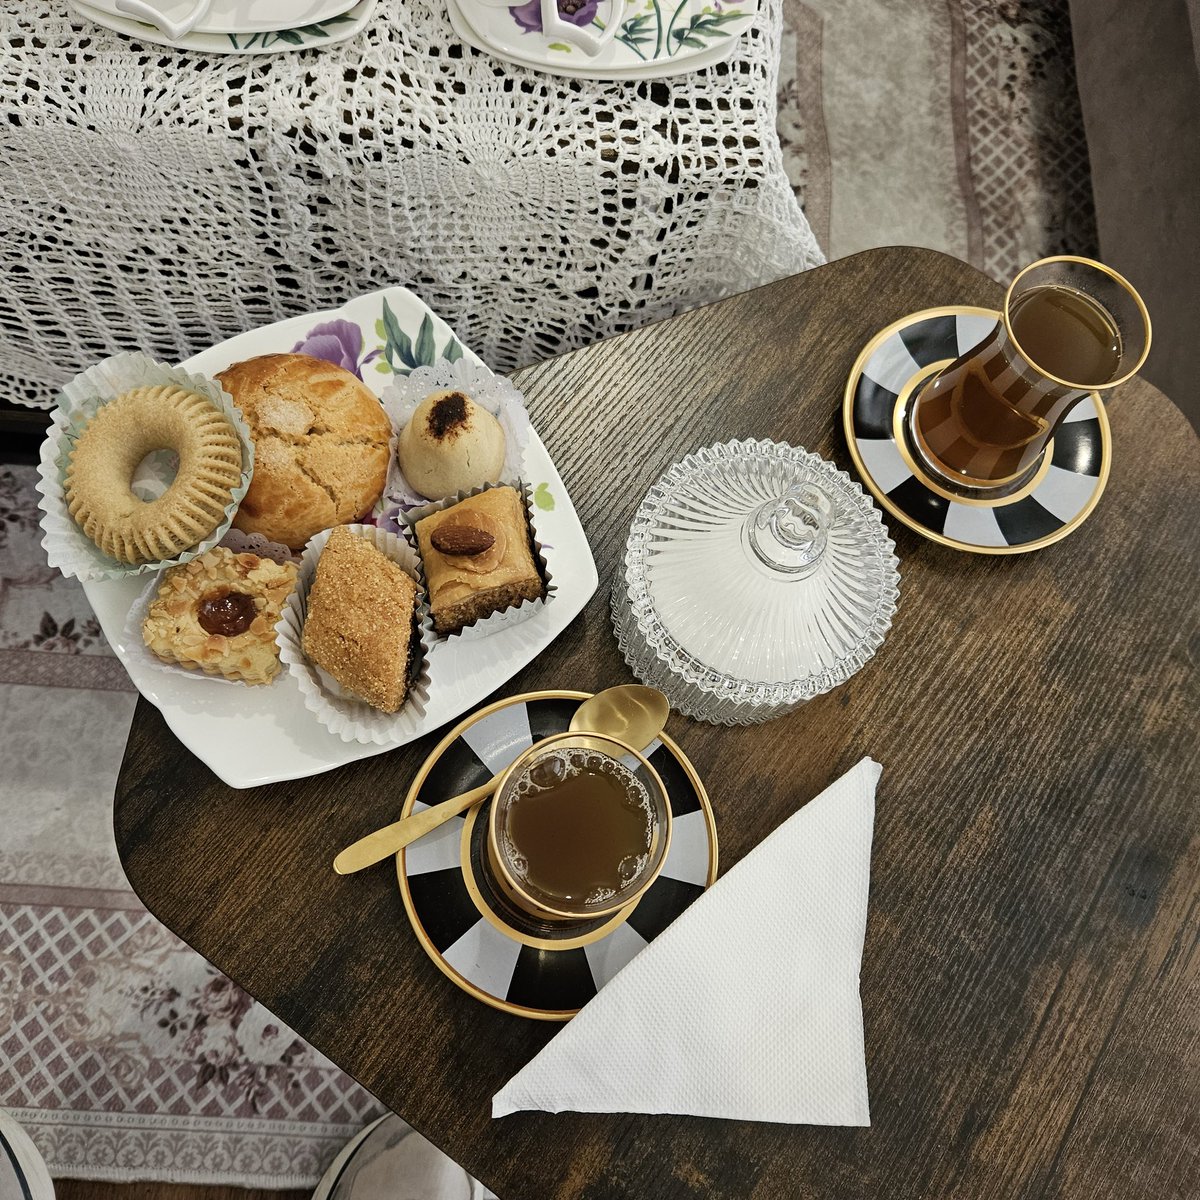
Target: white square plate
[{"x": 256, "y": 735}]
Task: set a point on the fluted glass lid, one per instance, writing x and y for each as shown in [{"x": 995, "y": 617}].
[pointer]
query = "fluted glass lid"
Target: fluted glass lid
[{"x": 760, "y": 572}]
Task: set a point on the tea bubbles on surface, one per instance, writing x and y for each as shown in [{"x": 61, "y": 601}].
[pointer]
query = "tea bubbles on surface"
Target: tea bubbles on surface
[{"x": 578, "y": 827}]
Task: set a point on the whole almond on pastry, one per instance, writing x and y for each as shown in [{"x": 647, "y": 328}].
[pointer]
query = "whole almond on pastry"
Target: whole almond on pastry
[{"x": 461, "y": 541}]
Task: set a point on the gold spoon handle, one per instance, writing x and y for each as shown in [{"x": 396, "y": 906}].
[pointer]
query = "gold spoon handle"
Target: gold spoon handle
[{"x": 393, "y": 838}]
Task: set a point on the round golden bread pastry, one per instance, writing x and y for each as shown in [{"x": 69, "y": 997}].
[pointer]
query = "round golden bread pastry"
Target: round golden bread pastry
[
  {"x": 321, "y": 444},
  {"x": 116, "y": 440},
  {"x": 450, "y": 445}
]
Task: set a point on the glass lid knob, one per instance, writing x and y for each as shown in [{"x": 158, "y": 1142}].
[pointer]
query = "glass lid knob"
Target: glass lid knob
[{"x": 789, "y": 535}]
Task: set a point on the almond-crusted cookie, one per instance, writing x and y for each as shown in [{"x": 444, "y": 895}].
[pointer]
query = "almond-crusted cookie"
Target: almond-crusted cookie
[{"x": 217, "y": 614}]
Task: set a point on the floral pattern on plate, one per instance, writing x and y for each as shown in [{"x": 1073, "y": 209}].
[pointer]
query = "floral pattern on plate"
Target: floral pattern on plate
[
  {"x": 322, "y": 33},
  {"x": 661, "y": 29},
  {"x": 398, "y": 352},
  {"x": 302, "y": 35}
]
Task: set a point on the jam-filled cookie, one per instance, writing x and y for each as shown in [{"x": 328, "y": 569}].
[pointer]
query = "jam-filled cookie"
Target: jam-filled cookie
[{"x": 217, "y": 614}]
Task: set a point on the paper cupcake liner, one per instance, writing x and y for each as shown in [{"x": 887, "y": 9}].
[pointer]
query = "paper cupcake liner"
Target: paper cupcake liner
[
  {"x": 506, "y": 617},
  {"x": 67, "y": 547},
  {"x": 352, "y": 719},
  {"x": 495, "y": 393}
]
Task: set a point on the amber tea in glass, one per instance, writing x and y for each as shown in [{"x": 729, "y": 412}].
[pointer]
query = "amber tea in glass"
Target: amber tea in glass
[
  {"x": 579, "y": 827},
  {"x": 578, "y": 831},
  {"x": 1070, "y": 326}
]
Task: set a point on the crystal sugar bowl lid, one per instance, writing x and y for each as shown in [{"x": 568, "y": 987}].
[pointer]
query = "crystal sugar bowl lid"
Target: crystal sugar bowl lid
[{"x": 756, "y": 576}]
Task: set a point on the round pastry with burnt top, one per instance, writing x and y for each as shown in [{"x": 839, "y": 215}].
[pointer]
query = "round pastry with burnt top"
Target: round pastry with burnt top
[
  {"x": 450, "y": 445},
  {"x": 217, "y": 614}
]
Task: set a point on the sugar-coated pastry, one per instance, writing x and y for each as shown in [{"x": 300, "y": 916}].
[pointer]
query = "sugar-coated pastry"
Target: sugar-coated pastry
[
  {"x": 478, "y": 558},
  {"x": 115, "y": 441},
  {"x": 321, "y": 445},
  {"x": 218, "y": 613},
  {"x": 360, "y": 627},
  {"x": 450, "y": 445}
]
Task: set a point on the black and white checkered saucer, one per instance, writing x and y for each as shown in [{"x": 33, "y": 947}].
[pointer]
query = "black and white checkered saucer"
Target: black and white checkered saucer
[
  {"x": 488, "y": 949},
  {"x": 1061, "y": 491}
]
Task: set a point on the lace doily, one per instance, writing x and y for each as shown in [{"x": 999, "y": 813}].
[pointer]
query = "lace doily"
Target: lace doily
[{"x": 163, "y": 200}]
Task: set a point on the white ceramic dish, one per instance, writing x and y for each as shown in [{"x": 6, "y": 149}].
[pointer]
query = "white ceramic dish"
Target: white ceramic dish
[
  {"x": 280, "y": 40},
  {"x": 235, "y": 16},
  {"x": 645, "y": 48},
  {"x": 264, "y": 735}
]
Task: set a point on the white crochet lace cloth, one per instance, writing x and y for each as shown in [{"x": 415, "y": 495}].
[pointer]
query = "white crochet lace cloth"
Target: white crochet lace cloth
[{"x": 162, "y": 200}]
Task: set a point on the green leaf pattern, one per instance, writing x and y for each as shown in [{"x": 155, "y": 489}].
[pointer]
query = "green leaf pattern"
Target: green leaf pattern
[
  {"x": 424, "y": 350},
  {"x": 299, "y": 36},
  {"x": 401, "y": 354},
  {"x": 703, "y": 27},
  {"x": 660, "y": 29}
]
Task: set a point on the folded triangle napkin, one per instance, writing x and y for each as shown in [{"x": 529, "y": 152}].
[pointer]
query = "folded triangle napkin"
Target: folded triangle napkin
[{"x": 747, "y": 1006}]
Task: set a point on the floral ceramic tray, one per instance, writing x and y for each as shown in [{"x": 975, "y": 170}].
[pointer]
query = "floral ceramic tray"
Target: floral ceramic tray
[
  {"x": 301, "y": 36},
  {"x": 266, "y": 734}
]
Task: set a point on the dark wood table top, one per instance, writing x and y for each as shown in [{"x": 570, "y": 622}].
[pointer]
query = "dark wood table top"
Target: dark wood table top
[{"x": 1029, "y": 977}]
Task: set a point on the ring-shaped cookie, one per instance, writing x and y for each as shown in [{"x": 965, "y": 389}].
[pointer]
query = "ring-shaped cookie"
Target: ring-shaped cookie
[{"x": 98, "y": 484}]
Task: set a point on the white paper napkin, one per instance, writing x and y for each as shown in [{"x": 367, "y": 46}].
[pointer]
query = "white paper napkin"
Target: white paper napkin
[{"x": 747, "y": 1006}]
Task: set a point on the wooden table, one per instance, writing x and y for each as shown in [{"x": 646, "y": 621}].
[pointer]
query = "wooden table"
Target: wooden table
[{"x": 1029, "y": 975}]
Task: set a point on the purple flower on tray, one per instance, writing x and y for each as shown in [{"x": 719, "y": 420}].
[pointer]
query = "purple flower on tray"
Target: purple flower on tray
[
  {"x": 577, "y": 12},
  {"x": 338, "y": 342}
]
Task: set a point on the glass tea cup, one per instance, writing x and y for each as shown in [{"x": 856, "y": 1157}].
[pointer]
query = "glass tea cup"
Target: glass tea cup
[
  {"x": 579, "y": 828},
  {"x": 1070, "y": 326}
]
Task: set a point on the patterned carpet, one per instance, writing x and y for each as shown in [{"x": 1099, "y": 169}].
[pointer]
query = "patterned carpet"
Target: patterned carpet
[
  {"x": 947, "y": 123},
  {"x": 122, "y": 1052}
]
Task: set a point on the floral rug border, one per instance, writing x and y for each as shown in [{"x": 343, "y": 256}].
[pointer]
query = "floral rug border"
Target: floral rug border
[{"x": 77, "y": 1144}]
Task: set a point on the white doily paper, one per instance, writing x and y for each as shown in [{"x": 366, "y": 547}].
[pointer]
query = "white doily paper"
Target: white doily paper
[
  {"x": 256, "y": 543},
  {"x": 164, "y": 201}
]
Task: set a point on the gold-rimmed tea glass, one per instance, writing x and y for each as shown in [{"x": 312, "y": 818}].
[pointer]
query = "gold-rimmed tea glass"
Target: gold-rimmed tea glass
[
  {"x": 1070, "y": 326},
  {"x": 594, "y": 751}
]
